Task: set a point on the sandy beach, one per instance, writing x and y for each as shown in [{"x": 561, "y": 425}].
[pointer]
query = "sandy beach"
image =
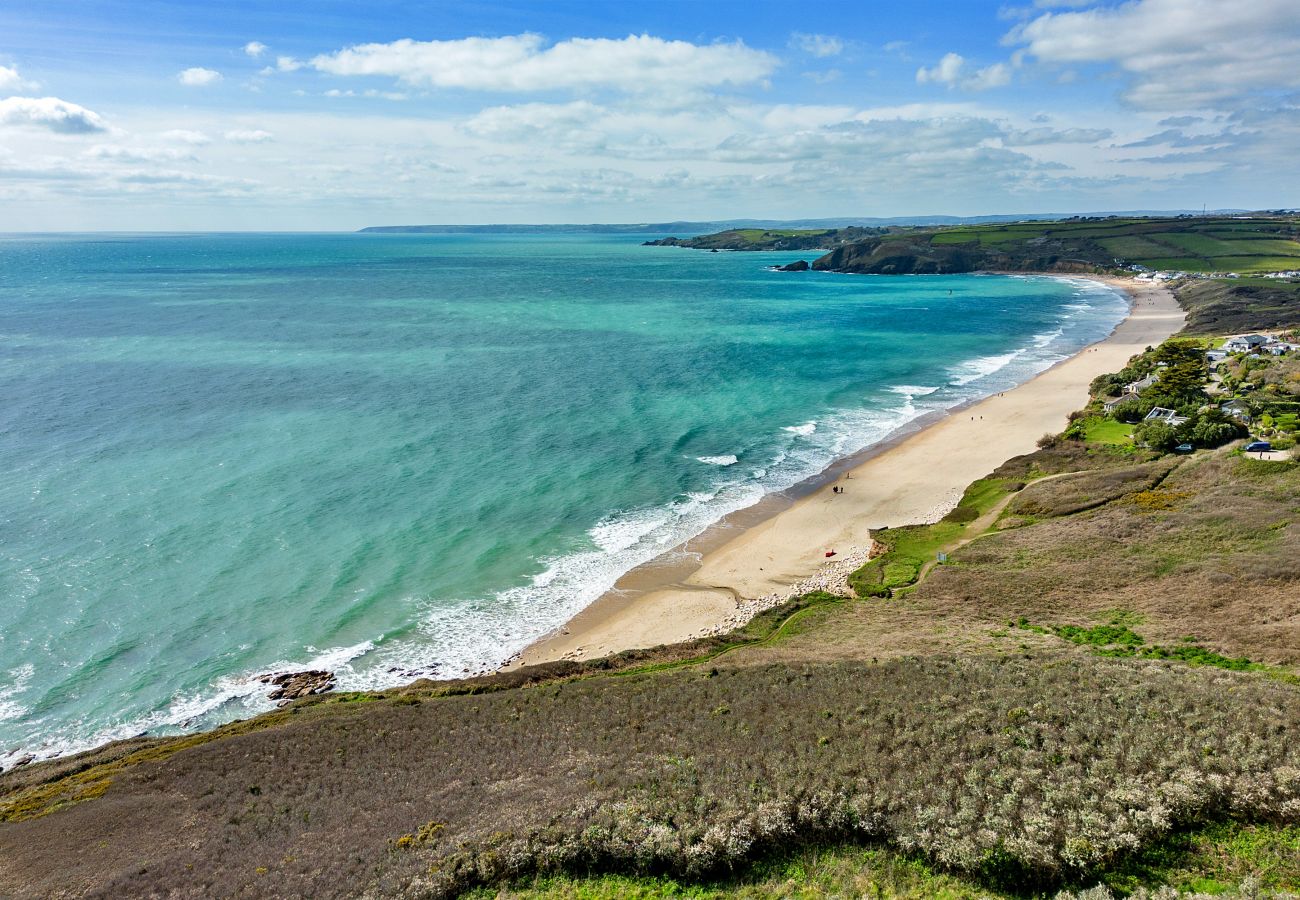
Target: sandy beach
[{"x": 917, "y": 479}]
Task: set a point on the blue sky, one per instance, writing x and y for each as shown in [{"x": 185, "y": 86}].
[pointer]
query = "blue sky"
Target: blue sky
[{"x": 335, "y": 115}]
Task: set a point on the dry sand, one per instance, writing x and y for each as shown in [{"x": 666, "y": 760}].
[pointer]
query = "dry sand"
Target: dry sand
[{"x": 916, "y": 480}]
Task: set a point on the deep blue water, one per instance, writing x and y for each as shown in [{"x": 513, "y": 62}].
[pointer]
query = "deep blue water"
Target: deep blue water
[{"x": 223, "y": 454}]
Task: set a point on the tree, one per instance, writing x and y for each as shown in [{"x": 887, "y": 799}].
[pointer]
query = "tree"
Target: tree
[
  {"x": 1156, "y": 435},
  {"x": 1183, "y": 376}
]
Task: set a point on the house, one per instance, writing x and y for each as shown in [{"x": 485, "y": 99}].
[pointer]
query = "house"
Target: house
[
  {"x": 1109, "y": 405},
  {"x": 1244, "y": 343},
  {"x": 1279, "y": 348},
  {"x": 1216, "y": 355},
  {"x": 1168, "y": 416},
  {"x": 1137, "y": 387},
  {"x": 1237, "y": 409}
]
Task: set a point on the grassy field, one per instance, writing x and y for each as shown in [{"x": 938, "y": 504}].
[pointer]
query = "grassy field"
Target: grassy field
[
  {"x": 1194, "y": 245},
  {"x": 1190, "y": 244}
]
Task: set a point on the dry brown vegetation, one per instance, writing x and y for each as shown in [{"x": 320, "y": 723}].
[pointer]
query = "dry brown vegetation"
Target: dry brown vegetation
[{"x": 1026, "y": 770}]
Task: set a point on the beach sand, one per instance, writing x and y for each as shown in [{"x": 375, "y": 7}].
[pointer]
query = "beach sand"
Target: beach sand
[{"x": 918, "y": 479}]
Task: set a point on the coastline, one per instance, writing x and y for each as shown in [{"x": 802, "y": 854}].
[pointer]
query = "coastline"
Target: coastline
[{"x": 777, "y": 547}]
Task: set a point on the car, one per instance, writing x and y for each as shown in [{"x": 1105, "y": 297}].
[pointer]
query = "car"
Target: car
[
  {"x": 1258, "y": 447},
  {"x": 1184, "y": 448}
]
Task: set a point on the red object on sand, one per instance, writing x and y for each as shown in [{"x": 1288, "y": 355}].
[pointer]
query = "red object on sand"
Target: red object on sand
[{"x": 830, "y": 552}]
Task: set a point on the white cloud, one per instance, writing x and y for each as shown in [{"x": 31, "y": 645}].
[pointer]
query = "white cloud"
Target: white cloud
[
  {"x": 996, "y": 75},
  {"x": 198, "y": 77},
  {"x": 255, "y": 48},
  {"x": 1180, "y": 54},
  {"x": 139, "y": 154},
  {"x": 185, "y": 136},
  {"x": 525, "y": 63},
  {"x": 1043, "y": 135},
  {"x": 288, "y": 64},
  {"x": 819, "y": 45},
  {"x": 50, "y": 112},
  {"x": 243, "y": 136},
  {"x": 952, "y": 71},
  {"x": 946, "y": 72},
  {"x": 10, "y": 81}
]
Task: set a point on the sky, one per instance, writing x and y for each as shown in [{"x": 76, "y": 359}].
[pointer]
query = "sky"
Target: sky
[{"x": 328, "y": 115}]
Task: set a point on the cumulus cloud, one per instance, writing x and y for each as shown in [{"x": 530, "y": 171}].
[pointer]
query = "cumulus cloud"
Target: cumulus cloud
[
  {"x": 819, "y": 45},
  {"x": 637, "y": 63},
  {"x": 10, "y": 81},
  {"x": 255, "y": 48},
  {"x": 242, "y": 136},
  {"x": 1180, "y": 54},
  {"x": 952, "y": 71},
  {"x": 198, "y": 76},
  {"x": 57, "y": 115}
]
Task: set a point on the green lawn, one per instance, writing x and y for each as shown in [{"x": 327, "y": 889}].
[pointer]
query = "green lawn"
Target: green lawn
[{"x": 1107, "y": 431}]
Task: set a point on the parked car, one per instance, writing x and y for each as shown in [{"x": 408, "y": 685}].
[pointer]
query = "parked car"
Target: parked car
[
  {"x": 1184, "y": 448},
  {"x": 1258, "y": 447}
]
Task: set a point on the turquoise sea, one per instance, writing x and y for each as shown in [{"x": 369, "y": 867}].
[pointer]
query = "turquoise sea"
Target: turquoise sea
[{"x": 395, "y": 455}]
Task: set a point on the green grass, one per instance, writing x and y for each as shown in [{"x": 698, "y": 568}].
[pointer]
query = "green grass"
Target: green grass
[
  {"x": 1135, "y": 247},
  {"x": 1214, "y": 859},
  {"x": 911, "y": 547},
  {"x": 1179, "y": 263},
  {"x": 757, "y": 234},
  {"x": 1102, "y": 430},
  {"x": 1203, "y": 245},
  {"x": 1255, "y": 263},
  {"x": 1116, "y": 639}
]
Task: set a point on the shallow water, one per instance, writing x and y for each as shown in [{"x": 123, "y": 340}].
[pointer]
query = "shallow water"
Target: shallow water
[{"x": 397, "y": 454}]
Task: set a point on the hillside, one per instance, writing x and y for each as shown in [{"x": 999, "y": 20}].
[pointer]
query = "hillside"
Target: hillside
[
  {"x": 1211, "y": 244},
  {"x": 774, "y": 239}
]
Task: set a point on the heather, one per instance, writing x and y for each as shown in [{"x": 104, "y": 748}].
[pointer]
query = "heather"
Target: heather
[{"x": 1017, "y": 771}]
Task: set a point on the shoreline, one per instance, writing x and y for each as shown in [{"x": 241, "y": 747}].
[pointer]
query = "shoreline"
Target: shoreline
[{"x": 758, "y": 556}]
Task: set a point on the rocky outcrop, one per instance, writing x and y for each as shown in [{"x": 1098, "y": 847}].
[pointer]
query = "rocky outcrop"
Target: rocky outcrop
[
  {"x": 799, "y": 265},
  {"x": 290, "y": 686}
]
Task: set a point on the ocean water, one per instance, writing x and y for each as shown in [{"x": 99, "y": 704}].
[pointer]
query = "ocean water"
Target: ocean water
[{"x": 400, "y": 455}]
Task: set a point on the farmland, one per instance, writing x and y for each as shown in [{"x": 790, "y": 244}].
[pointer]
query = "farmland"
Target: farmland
[{"x": 1190, "y": 244}]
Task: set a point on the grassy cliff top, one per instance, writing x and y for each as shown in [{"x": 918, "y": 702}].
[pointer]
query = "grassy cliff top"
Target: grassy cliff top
[{"x": 1187, "y": 244}]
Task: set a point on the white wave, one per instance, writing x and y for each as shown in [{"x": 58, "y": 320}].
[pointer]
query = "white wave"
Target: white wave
[
  {"x": 982, "y": 367},
  {"x": 618, "y": 532},
  {"x": 1047, "y": 337},
  {"x": 913, "y": 390},
  {"x": 208, "y": 707},
  {"x": 729, "y": 459},
  {"x": 805, "y": 429},
  {"x": 10, "y": 708}
]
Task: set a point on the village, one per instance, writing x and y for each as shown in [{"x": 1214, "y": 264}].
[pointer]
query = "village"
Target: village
[{"x": 1191, "y": 394}]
